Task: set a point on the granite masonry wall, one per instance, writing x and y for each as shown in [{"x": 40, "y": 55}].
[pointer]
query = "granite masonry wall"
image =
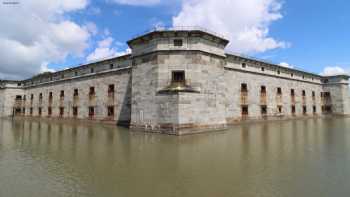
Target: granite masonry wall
[
  {"x": 156, "y": 110},
  {"x": 142, "y": 90},
  {"x": 70, "y": 94}
]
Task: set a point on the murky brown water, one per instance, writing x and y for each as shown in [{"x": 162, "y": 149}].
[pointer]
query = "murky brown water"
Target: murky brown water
[{"x": 289, "y": 158}]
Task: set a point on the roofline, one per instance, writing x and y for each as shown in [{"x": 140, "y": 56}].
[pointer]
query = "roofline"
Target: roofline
[
  {"x": 77, "y": 67},
  {"x": 11, "y": 81},
  {"x": 179, "y": 29},
  {"x": 282, "y": 67}
]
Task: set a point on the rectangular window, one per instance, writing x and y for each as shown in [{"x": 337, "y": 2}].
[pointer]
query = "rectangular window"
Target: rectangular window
[
  {"x": 263, "y": 90},
  {"x": 110, "y": 110},
  {"x": 293, "y": 109},
  {"x": 62, "y": 111},
  {"x": 111, "y": 88},
  {"x": 262, "y": 69},
  {"x": 75, "y": 111},
  {"x": 313, "y": 94},
  {"x": 244, "y": 65},
  {"x": 304, "y": 110},
  {"x": 50, "y": 97},
  {"x": 92, "y": 70},
  {"x": 244, "y": 87},
  {"x": 40, "y": 96},
  {"x": 303, "y": 93},
  {"x": 49, "y": 111},
  {"x": 279, "y": 91},
  {"x": 111, "y": 66},
  {"x": 32, "y": 97},
  {"x": 76, "y": 92},
  {"x": 31, "y": 111},
  {"x": 92, "y": 91},
  {"x": 292, "y": 92},
  {"x": 327, "y": 109},
  {"x": 244, "y": 110},
  {"x": 279, "y": 108},
  {"x": 178, "y": 42},
  {"x": 178, "y": 76},
  {"x": 62, "y": 94},
  {"x": 263, "y": 110},
  {"x": 314, "y": 110},
  {"x": 91, "y": 112},
  {"x": 39, "y": 111}
]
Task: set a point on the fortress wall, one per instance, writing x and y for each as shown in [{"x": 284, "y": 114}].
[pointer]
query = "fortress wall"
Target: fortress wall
[
  {"x": 120, "y": 99},
  {"x": 234, "y": 77},
  {"x": 7, "y": 100}
]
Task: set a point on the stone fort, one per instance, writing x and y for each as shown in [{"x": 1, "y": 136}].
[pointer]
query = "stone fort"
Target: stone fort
[{"x": 176, "y": 82}]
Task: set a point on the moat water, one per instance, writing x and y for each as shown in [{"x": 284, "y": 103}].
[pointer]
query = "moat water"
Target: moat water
[{"x": 287, "y": 158}]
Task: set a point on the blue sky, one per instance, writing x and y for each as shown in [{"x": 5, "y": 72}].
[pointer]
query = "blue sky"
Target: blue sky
[{"x": 42, "y": 35}]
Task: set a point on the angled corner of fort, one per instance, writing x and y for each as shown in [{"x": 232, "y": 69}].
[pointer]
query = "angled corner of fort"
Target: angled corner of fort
[{"x": 176, "y": 81}]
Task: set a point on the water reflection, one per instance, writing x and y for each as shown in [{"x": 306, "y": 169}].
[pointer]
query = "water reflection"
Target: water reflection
[{"x": 287, "y": 158}]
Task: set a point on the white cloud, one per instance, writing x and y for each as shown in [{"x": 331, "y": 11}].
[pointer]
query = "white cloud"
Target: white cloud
[
  {"x": 105, "y": 50},
  {"x": 137, "y": 2},
  {"x": 284, "y": 64},
  {"x": 44, "y": 68},
  {"x": 244, "y": 22},
  {"x": 334, "y": 70},
  {"x": 91, "y": 27},
  {"x": 38, "y": 32}
]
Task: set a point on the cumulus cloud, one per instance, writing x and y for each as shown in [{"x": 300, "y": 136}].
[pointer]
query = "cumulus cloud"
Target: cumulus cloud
[
  {"x": 285, "y": 64},
  {"x": 137, "y": 2},
  {"x": 334, "y": 70},
  {"x": 244, "y": 22},
  {"x": 36, "y": 32},
  {"x": 105, "y": 50},
  {"x": 44, "y": 68}
]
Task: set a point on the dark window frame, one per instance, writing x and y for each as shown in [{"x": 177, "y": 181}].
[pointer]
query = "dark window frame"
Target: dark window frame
[
  {"x": 111, "y": 88},
  {"x": 75, "y": 111},
  {"x": 263, "y": 110},
  {"x": 244, "y": 110},
  {"x": 76, "y": 92},
  {"x": 110, "y": 111},
  {"x": 61, "y": 111},
  {"x": 92, "y": 91},
  {"x": 91, "y": 111},
  {"x": 279, "y": 91},
  {"x": 178, "y": 76},
  {"x": 178, "y": 42},
  {"x": 244, "y": 87}
]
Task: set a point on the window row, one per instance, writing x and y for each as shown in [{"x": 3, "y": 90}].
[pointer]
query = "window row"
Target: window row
[
  {"x": 279, "y": 110},
  {"x": 263, "y": 91},
  {"x": 92, "y": 92},
  {"x": 75, "y": 111}
]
